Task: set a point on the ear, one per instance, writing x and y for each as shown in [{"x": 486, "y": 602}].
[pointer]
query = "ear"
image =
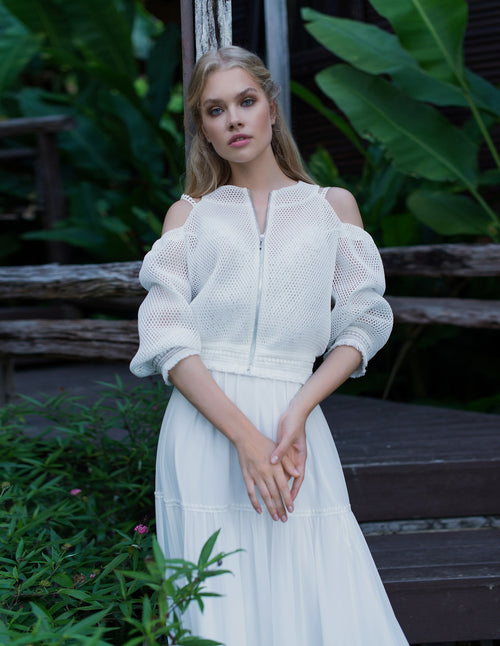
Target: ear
[{"x": 272, "y": 112}]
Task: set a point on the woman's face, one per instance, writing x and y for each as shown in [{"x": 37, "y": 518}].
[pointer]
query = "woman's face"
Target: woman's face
[{"x": 236, "y": 116}]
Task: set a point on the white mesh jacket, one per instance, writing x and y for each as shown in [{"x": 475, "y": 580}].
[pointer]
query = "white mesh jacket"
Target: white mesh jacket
[{"x": 261, "y": 304}]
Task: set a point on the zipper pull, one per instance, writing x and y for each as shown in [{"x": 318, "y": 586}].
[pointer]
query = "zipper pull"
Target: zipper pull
[{"x": 261, "y": 241}]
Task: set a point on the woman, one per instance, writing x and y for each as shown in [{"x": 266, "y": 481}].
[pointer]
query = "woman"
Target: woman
[{"x": 257, "y": 273}]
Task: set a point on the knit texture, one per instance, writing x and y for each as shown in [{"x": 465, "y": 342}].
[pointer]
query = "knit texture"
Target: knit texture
[{"x": 265, "y": 305}]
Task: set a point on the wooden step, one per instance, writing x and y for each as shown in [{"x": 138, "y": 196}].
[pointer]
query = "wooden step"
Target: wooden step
[
  {"x": 442, "y": 584},
  {"x": 408, "y": 461}
]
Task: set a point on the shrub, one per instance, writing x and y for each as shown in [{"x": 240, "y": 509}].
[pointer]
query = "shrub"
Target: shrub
[{"x": 79, "y": 560}]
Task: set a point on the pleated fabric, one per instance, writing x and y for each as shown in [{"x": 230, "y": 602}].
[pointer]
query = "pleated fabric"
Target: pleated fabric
[{"x": 310, "y": 581}]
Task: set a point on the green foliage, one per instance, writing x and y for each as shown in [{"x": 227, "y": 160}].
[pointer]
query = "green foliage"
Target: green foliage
[
  {"x": 113, "y": 68},
  {"x": 79, "y": 563},
  {"x": 391, "y": 87}
]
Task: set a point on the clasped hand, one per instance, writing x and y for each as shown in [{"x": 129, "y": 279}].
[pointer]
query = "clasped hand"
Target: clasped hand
[{"x": 268, "y": 467}]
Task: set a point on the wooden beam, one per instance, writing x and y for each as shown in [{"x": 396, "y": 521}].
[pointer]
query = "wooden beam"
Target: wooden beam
[
  {"x": 120, "y": 279},
  {"x": 70, "y": 282},
  {"x": 277, "y": 50},
  {"x": 35, "y": 125},
  {"x": 442, "y": 260},
  {"x": 73, "y": 339},
  {"x": 463, "y": 312}
]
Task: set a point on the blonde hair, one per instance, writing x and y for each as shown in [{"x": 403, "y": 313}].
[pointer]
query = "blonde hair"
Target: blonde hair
[{"x": 206, "y": 170}]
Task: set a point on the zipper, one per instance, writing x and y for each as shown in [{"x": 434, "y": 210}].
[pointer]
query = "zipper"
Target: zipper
[{"x": 260, "y": 281}]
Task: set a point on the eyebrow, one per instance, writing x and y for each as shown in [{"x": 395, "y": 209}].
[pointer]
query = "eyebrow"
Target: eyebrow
[{"x": 240, "y": 94}]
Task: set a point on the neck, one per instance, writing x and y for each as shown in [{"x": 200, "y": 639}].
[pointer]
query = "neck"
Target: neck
[{"x": 260, "y": 177}]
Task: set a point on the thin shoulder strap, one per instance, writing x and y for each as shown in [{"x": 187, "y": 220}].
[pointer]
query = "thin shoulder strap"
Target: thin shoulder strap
[
  {"x": 189, "y": 199},
  {"x": 323, "y": 190}
]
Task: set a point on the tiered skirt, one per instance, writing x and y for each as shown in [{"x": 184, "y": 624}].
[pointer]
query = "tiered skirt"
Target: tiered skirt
[{"x": 308, "y": 582}]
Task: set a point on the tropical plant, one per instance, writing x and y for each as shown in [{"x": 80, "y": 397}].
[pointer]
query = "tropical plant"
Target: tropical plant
[
  {"x": 79, "y": 562},
  {"x": 113, "y": 68},
  {"x": 392, "y": 87}
]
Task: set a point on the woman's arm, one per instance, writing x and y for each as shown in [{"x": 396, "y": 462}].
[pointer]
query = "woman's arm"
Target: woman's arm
[
  {"x": 335, "y": 369},
  {"x": 191, "y": 377}
]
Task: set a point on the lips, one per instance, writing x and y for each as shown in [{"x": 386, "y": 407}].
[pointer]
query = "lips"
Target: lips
[{"x": 239, "y": 140}]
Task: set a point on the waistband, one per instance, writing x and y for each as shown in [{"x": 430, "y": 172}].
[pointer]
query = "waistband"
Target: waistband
[{"x": 269, "y": 365}]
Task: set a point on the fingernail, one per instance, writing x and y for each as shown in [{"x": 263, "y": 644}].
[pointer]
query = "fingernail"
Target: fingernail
[
  {"x": 283, "y": 519},
  {"x": 290, "y": 508},
  {"x": 275, "y": 517},
  {"x": 274, "y": 459},
  {"x": 259, "y": 510}
]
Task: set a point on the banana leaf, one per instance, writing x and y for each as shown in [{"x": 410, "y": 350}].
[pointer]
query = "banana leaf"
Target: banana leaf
[
  {"x": 450, "y": 214},
  {"x": 432, "y": 31},
  {"x": 311, "y": 99},
  {"x": 419, "y": 140},
  {"x": 95, "y": 28},
  {"x": 162, "y": 64},
  {"x": 17, "y": 48},
  {"x": 375, "y": 51}
]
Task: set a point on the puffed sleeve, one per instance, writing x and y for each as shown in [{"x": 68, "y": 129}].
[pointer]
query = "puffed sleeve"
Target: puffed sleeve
[
  {"x": 361, "y": 317},
  {"x": 167, "y": 329}
]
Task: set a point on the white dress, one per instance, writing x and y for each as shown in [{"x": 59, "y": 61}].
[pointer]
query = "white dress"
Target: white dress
[{"x": 258, "y": 308}]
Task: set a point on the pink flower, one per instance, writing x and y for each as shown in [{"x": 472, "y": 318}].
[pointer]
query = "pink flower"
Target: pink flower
[
  {"x": 75, "y": 492},
  {"x": 141, "y": 529},
  {"x": 92, "y": 575}
]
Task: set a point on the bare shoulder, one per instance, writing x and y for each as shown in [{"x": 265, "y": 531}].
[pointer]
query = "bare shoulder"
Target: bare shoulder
[
  {"x": 345, "y": 206},
  {"x": 176, "y": 215}
]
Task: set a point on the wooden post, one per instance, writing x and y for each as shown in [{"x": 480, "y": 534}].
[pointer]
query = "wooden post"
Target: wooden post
[
  {"x": 51, "y": 190},
  {"x": 210, "y": 27},
  {"x": 278, "y": 59},
  {"x": 213, "y": 25}
]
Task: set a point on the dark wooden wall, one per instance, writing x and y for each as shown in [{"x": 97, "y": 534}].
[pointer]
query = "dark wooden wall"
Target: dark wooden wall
[{"x": 482, "y": 53}]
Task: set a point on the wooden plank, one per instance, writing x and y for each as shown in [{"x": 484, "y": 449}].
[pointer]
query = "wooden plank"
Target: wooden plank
[
  {"x": 462, "y": 312},
  {"x": 420, "y": 489},
  {"x": 35, "y": 125},
  {"x": 409, "y": 461},
  {"x": 77, "y": 338},
  {"x": 443, "y": 586},
  {"x": 442, "y": 260}
]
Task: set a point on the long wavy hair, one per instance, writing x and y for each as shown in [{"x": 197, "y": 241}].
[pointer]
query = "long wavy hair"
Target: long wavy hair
[{"x": 206, "y": 170}]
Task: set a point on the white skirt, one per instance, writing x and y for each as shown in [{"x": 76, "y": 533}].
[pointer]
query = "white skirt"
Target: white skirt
[{"x": 308, "y": 582}]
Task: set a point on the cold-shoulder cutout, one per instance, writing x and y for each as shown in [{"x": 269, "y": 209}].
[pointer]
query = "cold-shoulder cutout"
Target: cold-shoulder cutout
[
  {"x": 345, "y": 206},
  {"x": 176, "y": 215}
]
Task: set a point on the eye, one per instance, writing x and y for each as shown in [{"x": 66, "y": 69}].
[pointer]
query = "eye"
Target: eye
[
  {"x": 248, "y": 102},
  {"x": 214, "y": 112}
]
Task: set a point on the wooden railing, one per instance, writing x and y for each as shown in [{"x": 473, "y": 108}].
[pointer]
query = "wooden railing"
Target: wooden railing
[{"x": 102, "y": 284}]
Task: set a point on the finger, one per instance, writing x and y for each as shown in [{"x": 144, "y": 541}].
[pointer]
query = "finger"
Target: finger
[
  {"x": 290, "y": 467},
  {"x": 281, "y": 450},
  {"x": 253, "y": 497},
  {"x": 297, "y": 483},
  {"x": 286, "y": 495},
  {"x": 268, "y": 500},
  {"x": 278, "y": 502}
]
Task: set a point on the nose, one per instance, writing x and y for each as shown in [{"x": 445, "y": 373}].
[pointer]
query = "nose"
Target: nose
[{"x": 234, "y": 119}]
